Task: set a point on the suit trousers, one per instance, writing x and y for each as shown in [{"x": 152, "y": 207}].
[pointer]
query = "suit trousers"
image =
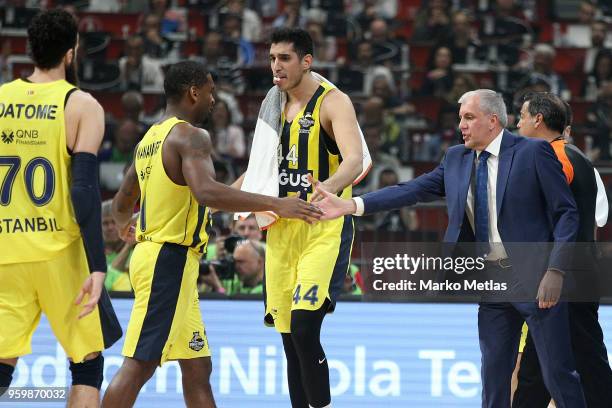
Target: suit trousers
[
  {"x": 591, "y": 361},
  {"x": 499, "y": 329}
]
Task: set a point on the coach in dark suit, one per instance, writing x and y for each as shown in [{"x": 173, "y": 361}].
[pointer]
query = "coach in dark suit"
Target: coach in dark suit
[{"x": 518, "y": 195}]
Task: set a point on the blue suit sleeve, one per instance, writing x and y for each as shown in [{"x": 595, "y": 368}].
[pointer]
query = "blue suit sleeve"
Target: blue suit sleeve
[
  {"x": 561, "y": 205},
  {"x": 427, "y": 187}
]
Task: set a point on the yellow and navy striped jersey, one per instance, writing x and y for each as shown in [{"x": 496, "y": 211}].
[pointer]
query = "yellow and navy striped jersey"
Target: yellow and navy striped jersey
[
  {"x": 305, "y": 148},
  {"x": 36, "y": 213},
  {"x": 168, "y": 212}
]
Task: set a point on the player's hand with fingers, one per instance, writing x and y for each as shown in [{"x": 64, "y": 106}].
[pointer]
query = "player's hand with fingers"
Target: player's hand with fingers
[
  {"x": 317, "y": 186},
  {"x": 128, "y": 232},
  {"x": 550, "y": 288},
  {"x": 334, "y": 206},
  {"x": 92, "y": 287},
  {"x": 294, "y": 207}
]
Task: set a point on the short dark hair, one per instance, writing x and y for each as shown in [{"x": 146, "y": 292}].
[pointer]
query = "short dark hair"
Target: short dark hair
[
  {"x": 51, "y": 34},
  {"x": 182, "y": 76},
  {"x": 551, "y": 108},
  {"x": 301, "y": 40}
]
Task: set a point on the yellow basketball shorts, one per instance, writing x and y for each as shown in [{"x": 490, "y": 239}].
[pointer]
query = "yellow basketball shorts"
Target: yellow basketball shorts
[
  {"x": 305, "y": 265},
  {"x": 27, "y": 289},
  {"x": 166, "y": 323}
]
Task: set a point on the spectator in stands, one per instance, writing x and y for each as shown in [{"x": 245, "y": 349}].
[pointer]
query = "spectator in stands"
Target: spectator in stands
[
  {"x": 221, "y": 57},
  {"x": 132, "y": 105},
  {"x": 116, "y": 6},
  {"x": 462, "y": 83},
  {"x": 380, "y": 160},
  {"x": 439, "y": 80},
  {"x": 232, "y": 31},
  {"x": 246, "y": 274},
  {"x": 324, "y": 47},
  {"x": 292, "y": 15},
  {"x": 386, "y": 48},
  {"x": 435, "y": 145},
  {"x": 432, "y": 23},
  {"x": 172, "y": 20},
  {"x": 599, "y": 119},
  {"x": 127, "y": 135},
  {"x": 138, "y": 71},
  {"x": 251, "y": 23},
  {"x": 462, "y": 39},
  {"x": 350, "y": 286},
  {"x": 587, "y": 12},
  {"x": 543, "y": 58},
  {"x": 364, "y": 11},
  {"x": 399, "y": 220},
  {"x": 602, "y": 73},
  {"x": 387, "y": 91},
  {"x": 247, "y": 228},
  {"x": 155, "y": 44},
  {"x": 228, "y": 139},
  {"x": 249, "y": 261},
  {"x": 373, "y": 111},
  {"x": 364, "y": 62},
  {"x": 598, "y": 39},
  {"x": 503, "y": 32},
  {"x": 5, "y": 53},
  {"x": 117, "y": 252}
]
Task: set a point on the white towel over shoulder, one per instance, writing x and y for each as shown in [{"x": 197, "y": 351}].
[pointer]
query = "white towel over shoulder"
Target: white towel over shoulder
[{"x": 262, "y": 172}]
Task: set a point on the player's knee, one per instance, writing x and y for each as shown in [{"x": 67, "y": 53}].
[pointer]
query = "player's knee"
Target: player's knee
[
  {"x": 304, "y": 335},
  {"x": 89, "y": 372},
  {"x": 6, "y": 376}
]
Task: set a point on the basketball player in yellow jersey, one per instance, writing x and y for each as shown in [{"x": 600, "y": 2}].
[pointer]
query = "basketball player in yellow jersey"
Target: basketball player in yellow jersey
[
  {"x": 174, "y": 178},
  {"x": 306, "y": 264},
  {"x": 50, "y": 212}
]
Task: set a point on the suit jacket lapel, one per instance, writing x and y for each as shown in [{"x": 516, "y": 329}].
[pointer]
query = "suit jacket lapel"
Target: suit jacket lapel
[
  {"x": 506, "y": 154},
  {"x": 464, "y": 179}
]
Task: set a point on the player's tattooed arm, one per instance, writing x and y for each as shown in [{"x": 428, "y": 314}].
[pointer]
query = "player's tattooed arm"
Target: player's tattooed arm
[
  {"x": 125, "y": 200},
  {"x": 195, "y": 147}
]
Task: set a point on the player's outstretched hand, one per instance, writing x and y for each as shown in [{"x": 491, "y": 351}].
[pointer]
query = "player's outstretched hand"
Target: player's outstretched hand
[
  {"x": 293, "y": 207},
  {"x": 334, "y": 206},
  {"x": 317, "y": 186},
  {"x": 93, "y": 288}
]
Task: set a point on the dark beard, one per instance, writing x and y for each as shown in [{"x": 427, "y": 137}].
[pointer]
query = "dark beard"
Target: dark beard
[{"x": 71, "y": 73}]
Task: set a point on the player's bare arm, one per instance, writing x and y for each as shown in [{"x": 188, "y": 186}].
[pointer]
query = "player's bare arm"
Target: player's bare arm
[
  {"x": 84, "y": 119},
  {"x": 339, "y": 120},
  {"x": 125, "y": 200},
  {"x": 193, "y": 147}
]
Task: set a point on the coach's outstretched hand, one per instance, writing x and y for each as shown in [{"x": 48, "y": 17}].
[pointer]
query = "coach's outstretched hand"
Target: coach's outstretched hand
[
  {"x": 93, "y": 288},
  {"x": 294, "y": 207},
  {"x": 550, "y": 288},
  {"x": 332, "y": 205}
]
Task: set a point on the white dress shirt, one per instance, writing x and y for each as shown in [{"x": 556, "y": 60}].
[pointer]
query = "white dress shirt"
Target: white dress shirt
[{"x": 601, "y": 205}]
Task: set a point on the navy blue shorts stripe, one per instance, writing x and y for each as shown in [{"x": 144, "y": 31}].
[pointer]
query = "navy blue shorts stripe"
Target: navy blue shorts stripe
[
  {"x": 165, "y": 289},
  {"x": 196, "y": 233},
  {"x": 111, "y": 329},
  {"x": 343, "y": 260}
]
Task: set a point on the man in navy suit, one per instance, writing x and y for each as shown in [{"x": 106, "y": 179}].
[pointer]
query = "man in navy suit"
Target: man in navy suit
[{"x": 502, "y": 190}]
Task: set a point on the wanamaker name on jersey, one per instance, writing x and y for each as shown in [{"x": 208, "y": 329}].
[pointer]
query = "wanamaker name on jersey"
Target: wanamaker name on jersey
[{"x": 148, "y": 150}]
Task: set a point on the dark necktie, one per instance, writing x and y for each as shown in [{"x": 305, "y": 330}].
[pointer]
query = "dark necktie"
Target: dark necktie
[{"x": 481, "y": 202}]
